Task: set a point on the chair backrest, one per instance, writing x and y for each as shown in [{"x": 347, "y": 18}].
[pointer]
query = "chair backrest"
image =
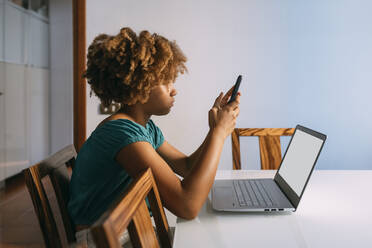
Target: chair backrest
[
  {"x": 269, "y": 140},
  {"x": 54, "y": 167},
  {"x": 130, "y": 212}
]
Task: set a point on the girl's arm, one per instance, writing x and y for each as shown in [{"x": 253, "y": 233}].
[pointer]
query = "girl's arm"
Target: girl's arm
[
  {"x": 178, "y": 161},
  {"x": 184, "y": 198}
]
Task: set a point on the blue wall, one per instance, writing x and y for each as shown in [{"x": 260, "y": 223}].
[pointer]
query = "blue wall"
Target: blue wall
[
  {"x": 303, "y": 62},
  {"x": 328, "y": 74},
  {"x": 315, "y": 69}
]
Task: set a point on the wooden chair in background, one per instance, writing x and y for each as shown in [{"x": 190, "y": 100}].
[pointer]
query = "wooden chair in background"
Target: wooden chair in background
[
  {"x": 54, "y": 167},
  {"x": 130, "y": 211},
  {"x": 269, "y": 141}
]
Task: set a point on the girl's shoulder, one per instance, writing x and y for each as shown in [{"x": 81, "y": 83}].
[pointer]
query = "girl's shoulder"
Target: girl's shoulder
[
  {"x": 123, "y": 126},
  {"x": 112, "y": 117},
  {"x": 116, "y": 133}
]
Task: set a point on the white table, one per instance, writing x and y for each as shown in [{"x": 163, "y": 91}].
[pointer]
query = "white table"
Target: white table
[{"x": 335, "y": 211}]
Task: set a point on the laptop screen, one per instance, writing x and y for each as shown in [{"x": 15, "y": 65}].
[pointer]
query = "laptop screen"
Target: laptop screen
[{"x": 299, "y": 160}]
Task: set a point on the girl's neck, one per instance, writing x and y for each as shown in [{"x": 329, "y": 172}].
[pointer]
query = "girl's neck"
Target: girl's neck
[{"x": 134, "y": 113}]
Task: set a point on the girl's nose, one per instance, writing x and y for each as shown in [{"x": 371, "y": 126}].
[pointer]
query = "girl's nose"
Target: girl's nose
[{"x": 173, "y": 91}]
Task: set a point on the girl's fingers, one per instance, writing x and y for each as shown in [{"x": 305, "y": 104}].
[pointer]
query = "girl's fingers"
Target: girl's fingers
[
  {"x": 217, "y": 102},
  {"x": 227, "y": 96},
  {"x": 230, "y": 92},
  {"x": 233, "y": 105},
  {"x": 236, "y": 112}
]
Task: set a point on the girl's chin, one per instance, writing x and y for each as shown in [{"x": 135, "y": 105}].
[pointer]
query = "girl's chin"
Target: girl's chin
[{"x": 164, "y": 112}]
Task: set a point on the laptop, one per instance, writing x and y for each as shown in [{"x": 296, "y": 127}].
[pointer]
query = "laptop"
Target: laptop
[{"x": 284, "y": 192}]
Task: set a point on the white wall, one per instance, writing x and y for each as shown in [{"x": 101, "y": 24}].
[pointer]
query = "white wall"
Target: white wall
[
  {"x": 303, "y": 62},
  {"x": 2, "y": 21},
  {"x": 24, "y": 85},
  {"x": 37, "y": 108},
  {"x": 15, "y": 29},
  {"x": 2, "y": 99},
  {"x": 61, "y": 74},
  {"x": 39, "y": 49},
  {"x": 16, "y": 137}
]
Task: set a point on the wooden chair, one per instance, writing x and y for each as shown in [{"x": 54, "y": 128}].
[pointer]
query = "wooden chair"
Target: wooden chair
[
  {"x": 130, "y": 211},
  {"x": 269, "y": 140},
  {"x": 55, "y": 168}
]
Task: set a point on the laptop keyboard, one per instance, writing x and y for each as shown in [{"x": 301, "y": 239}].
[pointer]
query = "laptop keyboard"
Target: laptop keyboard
[{"x": 252, "y": 193}]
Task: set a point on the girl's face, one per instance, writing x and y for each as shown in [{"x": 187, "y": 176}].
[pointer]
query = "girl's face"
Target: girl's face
[{"x": 161, "y": 99}]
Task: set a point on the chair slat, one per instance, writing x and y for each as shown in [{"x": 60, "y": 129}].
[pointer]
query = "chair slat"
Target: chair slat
[
  {"x": 140, "y": 230},
  {"x": 54, "y": 167},
  {"x": 103, "y": 236},
  {"x": 130, "y": 212},
  {"x": 269, "y": 142},
  {"x": 60, "y": 179},
  {"x": 270, "y": 152},
  {"x": 160, "y": 218},
  {"x": 120, "y": 216},
  {"x": 60, "y": 158},
  {"x": 265, "y": 131},
  {"x": 236, "y": 149},
  {"x": 42, "y": 208}
]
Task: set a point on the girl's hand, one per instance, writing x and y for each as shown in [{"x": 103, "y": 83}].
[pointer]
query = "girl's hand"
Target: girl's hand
[{"x": 222, "y": 116}]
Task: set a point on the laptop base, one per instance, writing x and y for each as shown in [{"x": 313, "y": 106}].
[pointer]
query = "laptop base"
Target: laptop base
[{"x": 225, "y": 196}]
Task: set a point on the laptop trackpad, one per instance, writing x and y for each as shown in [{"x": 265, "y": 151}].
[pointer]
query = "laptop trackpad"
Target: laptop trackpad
[{"x": 223, "y": 198}]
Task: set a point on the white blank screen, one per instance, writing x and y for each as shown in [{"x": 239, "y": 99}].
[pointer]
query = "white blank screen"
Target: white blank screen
[{"x": 299, "y": 160}]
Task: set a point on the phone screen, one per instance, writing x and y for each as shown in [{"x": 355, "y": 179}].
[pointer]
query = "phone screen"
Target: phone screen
[{"x": 236, "y": 88}]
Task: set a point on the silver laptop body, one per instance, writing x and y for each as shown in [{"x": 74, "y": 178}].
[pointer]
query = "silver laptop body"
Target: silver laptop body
[{"x": 284, "y": 192}]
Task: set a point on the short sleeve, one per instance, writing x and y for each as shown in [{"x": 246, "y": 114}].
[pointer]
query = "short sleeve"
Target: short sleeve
[
  {"x": 115, "y": 135},
  {"x": 157, "y": 135}
]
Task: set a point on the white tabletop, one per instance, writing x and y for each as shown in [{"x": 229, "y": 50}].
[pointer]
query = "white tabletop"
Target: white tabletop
[{"x": 335, "y": 211}]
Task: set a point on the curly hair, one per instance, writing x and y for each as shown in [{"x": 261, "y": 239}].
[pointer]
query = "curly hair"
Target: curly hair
[{"x": 125, "y": 67}]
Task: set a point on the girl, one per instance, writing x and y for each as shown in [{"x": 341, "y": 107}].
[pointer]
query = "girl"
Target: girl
[{"x": 139, "y": 73}]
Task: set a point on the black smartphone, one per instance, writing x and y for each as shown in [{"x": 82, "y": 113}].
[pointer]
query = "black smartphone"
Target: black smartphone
[{"x": 235, "y": 90}]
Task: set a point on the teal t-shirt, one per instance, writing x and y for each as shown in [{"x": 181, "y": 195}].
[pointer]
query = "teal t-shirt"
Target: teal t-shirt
[{"x": 97, "y": 179}]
